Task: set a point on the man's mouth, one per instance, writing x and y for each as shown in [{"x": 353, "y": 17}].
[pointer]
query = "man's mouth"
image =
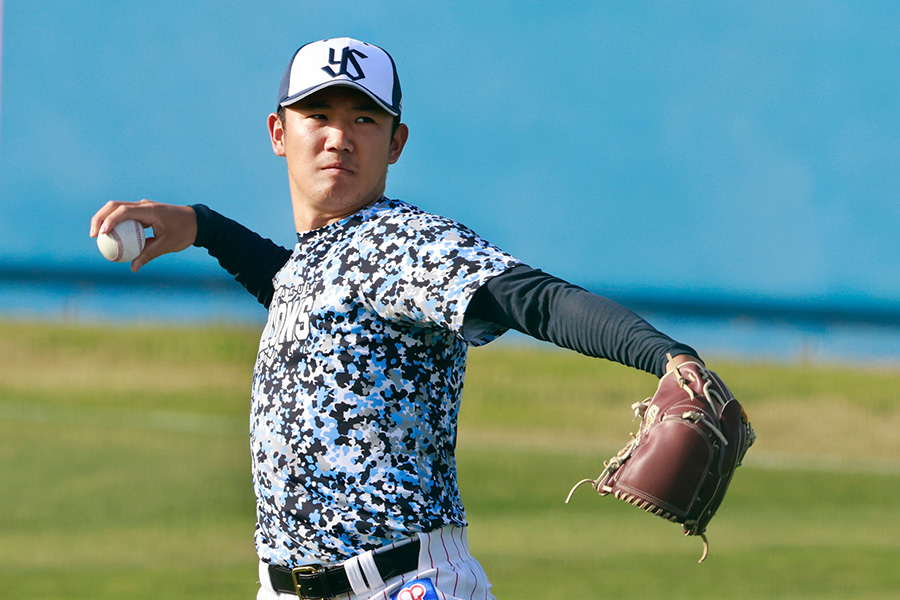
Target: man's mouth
[{"x": 337, "y": 167}]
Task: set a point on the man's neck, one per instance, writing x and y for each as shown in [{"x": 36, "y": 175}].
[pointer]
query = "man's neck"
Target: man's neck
[{"x": 308, "y": 220}]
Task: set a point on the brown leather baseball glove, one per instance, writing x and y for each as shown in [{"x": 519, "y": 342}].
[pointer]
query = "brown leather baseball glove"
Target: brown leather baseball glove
[{"x": 693, "y": 436}]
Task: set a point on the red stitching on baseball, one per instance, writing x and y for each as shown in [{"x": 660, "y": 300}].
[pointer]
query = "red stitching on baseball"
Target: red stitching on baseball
[
  {"x": 139, "y": 232},
  {"x": 120, "y": 246}
]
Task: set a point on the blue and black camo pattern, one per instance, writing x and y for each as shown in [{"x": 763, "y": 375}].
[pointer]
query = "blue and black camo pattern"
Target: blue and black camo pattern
[{"x": 358, "y": 380}]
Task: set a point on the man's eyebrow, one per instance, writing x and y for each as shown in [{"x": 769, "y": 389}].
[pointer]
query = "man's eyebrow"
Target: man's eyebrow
[
  {"x": 367, "y": 106},
  {"x": 313, "y": 104}
]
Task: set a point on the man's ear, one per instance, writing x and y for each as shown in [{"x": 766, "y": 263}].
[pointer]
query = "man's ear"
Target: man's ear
[
  {"x": 398, "y": 142},
  {"x": 276, "y": 134}
]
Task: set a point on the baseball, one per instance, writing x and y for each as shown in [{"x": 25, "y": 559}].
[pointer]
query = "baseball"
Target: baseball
[{"x": 124, "y": 243}]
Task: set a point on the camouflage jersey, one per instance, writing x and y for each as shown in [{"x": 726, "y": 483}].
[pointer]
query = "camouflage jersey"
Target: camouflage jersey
[{"x": 358, "y": 380}]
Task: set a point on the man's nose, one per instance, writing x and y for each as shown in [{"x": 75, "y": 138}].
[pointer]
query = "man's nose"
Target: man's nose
[{"x": 338, "y": 139}]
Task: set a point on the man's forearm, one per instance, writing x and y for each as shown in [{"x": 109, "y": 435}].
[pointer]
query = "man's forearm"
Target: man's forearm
[
  {"x": 550, "y": 309},
  {"x": 250, "y": 258}
]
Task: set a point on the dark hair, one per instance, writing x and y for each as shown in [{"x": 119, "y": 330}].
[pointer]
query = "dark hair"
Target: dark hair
[{"x": 394, "y": 125}]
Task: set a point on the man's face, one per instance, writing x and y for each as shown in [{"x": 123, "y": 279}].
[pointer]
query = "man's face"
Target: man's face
[{"x": 338, "y": 145}]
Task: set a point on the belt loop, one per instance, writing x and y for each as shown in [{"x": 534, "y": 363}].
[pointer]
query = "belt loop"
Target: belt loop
[
  {"x": 355, "y": 576},
  {"x": 370, "y": 569}
]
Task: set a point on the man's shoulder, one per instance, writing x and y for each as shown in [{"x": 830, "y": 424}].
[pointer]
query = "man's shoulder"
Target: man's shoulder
[
  {"x": 390, "y": 208},
  {"x": 390, "y": 216}
]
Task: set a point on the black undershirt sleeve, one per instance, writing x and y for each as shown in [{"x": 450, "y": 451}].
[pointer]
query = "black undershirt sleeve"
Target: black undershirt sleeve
[
  {"x": 250, "y": 258},
  {"x": 552, "y": 310}
]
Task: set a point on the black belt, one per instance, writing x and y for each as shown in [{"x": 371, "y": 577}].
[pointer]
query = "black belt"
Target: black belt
[{"x": 317, "y": 582}]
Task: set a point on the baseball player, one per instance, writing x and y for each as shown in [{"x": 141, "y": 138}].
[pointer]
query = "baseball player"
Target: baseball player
[{"x": 359, "y": 374}]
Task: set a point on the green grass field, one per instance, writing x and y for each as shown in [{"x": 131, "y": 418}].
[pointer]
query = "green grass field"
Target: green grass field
[{"x": 125, "y": 474}]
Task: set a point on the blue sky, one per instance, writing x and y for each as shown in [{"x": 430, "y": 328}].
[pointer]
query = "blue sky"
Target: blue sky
[{"x": 746, "y": 149}]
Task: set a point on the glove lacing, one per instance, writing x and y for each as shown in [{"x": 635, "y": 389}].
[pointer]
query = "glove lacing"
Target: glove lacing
[{"x": 640, "y": 409}]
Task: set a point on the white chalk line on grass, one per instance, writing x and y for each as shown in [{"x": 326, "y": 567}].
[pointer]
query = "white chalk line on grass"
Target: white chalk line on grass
[
  {"x": 776, "y": 461},
  {"x": 604, "y": 448},
  {"x": 470, "y": 440},
  {"x": 124, "y": 417}
]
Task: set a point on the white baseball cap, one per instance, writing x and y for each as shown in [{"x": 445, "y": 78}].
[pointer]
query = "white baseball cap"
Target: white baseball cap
[{"x": 342, "y": 61}]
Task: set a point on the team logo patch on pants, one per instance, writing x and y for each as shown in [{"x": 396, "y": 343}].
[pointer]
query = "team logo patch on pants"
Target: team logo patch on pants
[{"x": 420, "y": 589}]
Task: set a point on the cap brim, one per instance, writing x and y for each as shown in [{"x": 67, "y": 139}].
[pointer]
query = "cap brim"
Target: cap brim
[{"x": 339, "y": 82}]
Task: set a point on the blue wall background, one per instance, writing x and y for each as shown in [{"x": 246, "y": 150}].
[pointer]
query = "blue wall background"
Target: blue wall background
[{"x": 720, "y": 150}]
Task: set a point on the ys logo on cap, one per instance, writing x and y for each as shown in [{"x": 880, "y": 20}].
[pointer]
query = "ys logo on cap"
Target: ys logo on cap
[{"x": 348, "y": 58}]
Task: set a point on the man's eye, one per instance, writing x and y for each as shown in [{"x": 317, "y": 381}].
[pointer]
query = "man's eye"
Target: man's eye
[{"x": 365, "y": 120}]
